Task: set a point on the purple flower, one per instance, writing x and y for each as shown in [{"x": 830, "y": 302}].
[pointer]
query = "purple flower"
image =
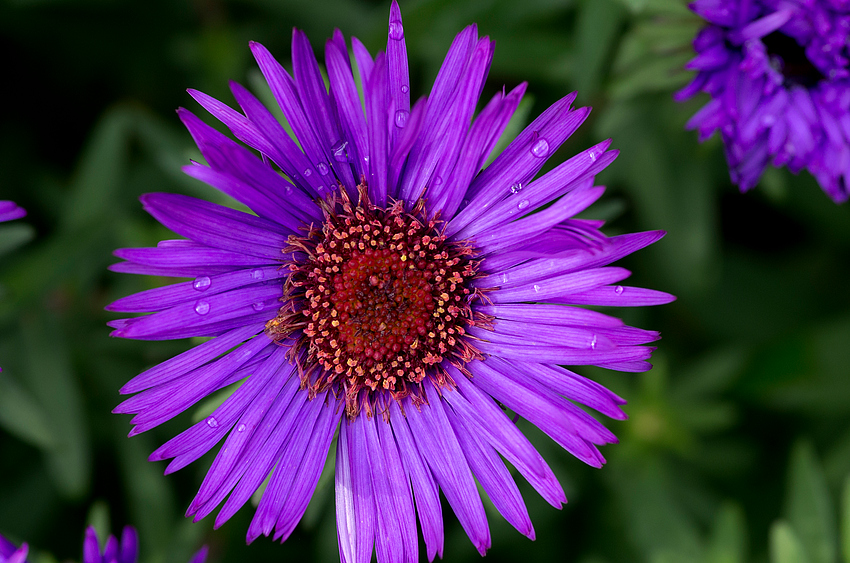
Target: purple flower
[
  {"x": 778, "y": 72},
  {"x": 9, "y": 211},
  {"x": 124, "y": 551},
  {"x": 388, "y": 291},
  {"x": 10, "y": 553}
]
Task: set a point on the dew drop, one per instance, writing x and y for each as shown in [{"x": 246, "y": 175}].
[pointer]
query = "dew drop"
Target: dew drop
[
  {"x": 259, "y": 306},
  {"x": 401, "y": 118},
  {"x": 522, "y": 205},
  {"x": 504, "y": 278},
  {"x": 308, "y": 173},
  {"x": 240, "y": 428},
  {"x": 322, "y": 168},
  {"x": 202, "y": 307},
  {"x": 437, "y": 181},
  {"x": 619, "y": 289},
  {"x": 593, "y": 342},
  {"x": 212, "y": 422},
  {"x": 405, "y": 88},
  {"x": 396, "y": 31},
  {"x": 516, "y": 188},
  {"x": 540, "y": 149},
  {"x": 536, "y": 288},
  {"x": 258, "y": 274},
  {"x": 340, "y": 152},
  {"x": 592, "y": 156},
  {"x": 202, "y": 283}
]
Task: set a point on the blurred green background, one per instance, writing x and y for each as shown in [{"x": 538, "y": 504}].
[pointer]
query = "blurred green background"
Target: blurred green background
[{"x": 738, "y": 444}]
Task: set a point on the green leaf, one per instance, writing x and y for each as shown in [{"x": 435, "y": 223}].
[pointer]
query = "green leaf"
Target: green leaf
[
  {"x": 785, "y": 546},
  {"x": 845, "y": 520},
  {"x": 728, "y": 542},
  {"x": 808, "y": 506},
  {"x": 55, "y": 387},
  {"x": 98, "y": 517},
  {"x": 597, "y": 26},
  {"x": 14, "y": 235},
  {"x": 22, "y": 416}
]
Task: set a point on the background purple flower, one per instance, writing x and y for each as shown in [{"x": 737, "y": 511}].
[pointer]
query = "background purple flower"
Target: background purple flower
[
  {"x": 9, "y": 211},
  {"x": 778, "y": 73},
  {"x": 494, "y": 300},
  {"x": 125, "y": 550}
]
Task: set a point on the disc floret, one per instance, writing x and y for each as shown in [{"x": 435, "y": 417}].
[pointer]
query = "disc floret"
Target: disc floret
[{"x": 380, "y": 297}]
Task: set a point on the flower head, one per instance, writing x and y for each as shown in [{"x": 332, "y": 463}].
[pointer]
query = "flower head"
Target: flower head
[
  {"x": 388, "y": 291},
  {"x": 9, "y": 211},
  {"x": 114, "y": 551},
  {"x": 778, "y": 73}
]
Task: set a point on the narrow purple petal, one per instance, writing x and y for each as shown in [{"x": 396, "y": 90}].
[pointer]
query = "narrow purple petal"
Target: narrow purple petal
[
  {"x": 493, "y": 476},
  {"x": 424, "y": 488},
  {"x": 438, "y": 444},
  {"x": 398, "y": 80}
]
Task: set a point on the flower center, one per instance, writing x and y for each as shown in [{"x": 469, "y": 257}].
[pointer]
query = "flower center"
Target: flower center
[
  {"x": 379, "y": 300},
  {"x": 795, "y": 65}
]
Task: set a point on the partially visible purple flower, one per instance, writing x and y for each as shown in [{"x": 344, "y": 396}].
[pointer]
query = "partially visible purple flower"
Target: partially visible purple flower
[
  {"x": 390, "y": 290},
  {"x": 10, "y": 553},
  {"x": 9, "y": 211},
  {"x": 778, "y": 72},
  {"x": 114, "y": 551}
]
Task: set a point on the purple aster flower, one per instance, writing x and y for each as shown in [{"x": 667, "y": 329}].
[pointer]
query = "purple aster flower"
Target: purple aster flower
[
  {"x": 778, "y": 72},
  {"x": 9, "y": 211},
  {"x": 389, "y": 292},
  {"x": 114, "y": 551},
  {"x": 10, "y": 553}
]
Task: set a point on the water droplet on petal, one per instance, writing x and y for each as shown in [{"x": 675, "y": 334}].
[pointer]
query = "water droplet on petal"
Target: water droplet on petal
[
  {"x": 202, "y": 283},
  {"x": 240, "y": 428},
  {"x": 437, "y": 181},
  {"x": 522, "y": 205},
  {"x": 202, "y": 307},
  {"x": 593, "y": 342},
  {"x": 396, "y": 31},
  {"x": 258, "y": 274},
  {"x": 401, "y": 118},
  {"x": 516, "y": 188},
  {"x": 340, "y": 151},
  {"x": 536, "y": 288},
  {"x": 592, "y": 156},
  {"x": 619, "y": 289},
  {"x": 259, "y": 306},
  {"x": 308, "y": 173},
  {"x": 322, "y": 168},
  {"x": 212, "y": 422},
  {"x": 405, "y": 88},
  {"x": 504, "y": 278},
  {"x": 540, "y": 149}
]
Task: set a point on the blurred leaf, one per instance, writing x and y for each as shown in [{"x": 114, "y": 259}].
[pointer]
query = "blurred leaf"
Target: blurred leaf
[
  {"x": 98, "y": 517},
  {"x": 845, "y": 519},
  {"x": 597, "y": 27},
  {"x": 785, "y": 546},
  {"x": 728, "y": 543},
  {"x": 808, "y": 507},
  {"x": 151, "y": 500},
  {"x": 22, "y": 416},
  {"x": 52, "y": 381},
  {"x": 14, "y": 235}
]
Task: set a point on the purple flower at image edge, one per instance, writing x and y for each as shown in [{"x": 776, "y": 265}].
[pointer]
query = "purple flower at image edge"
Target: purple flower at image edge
[
  {"x": 9, "y": 211},
  {"x": 390, "y": 294},
  {"x": 114, "y": 551},
  {"x": 778, "y": 73}
]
